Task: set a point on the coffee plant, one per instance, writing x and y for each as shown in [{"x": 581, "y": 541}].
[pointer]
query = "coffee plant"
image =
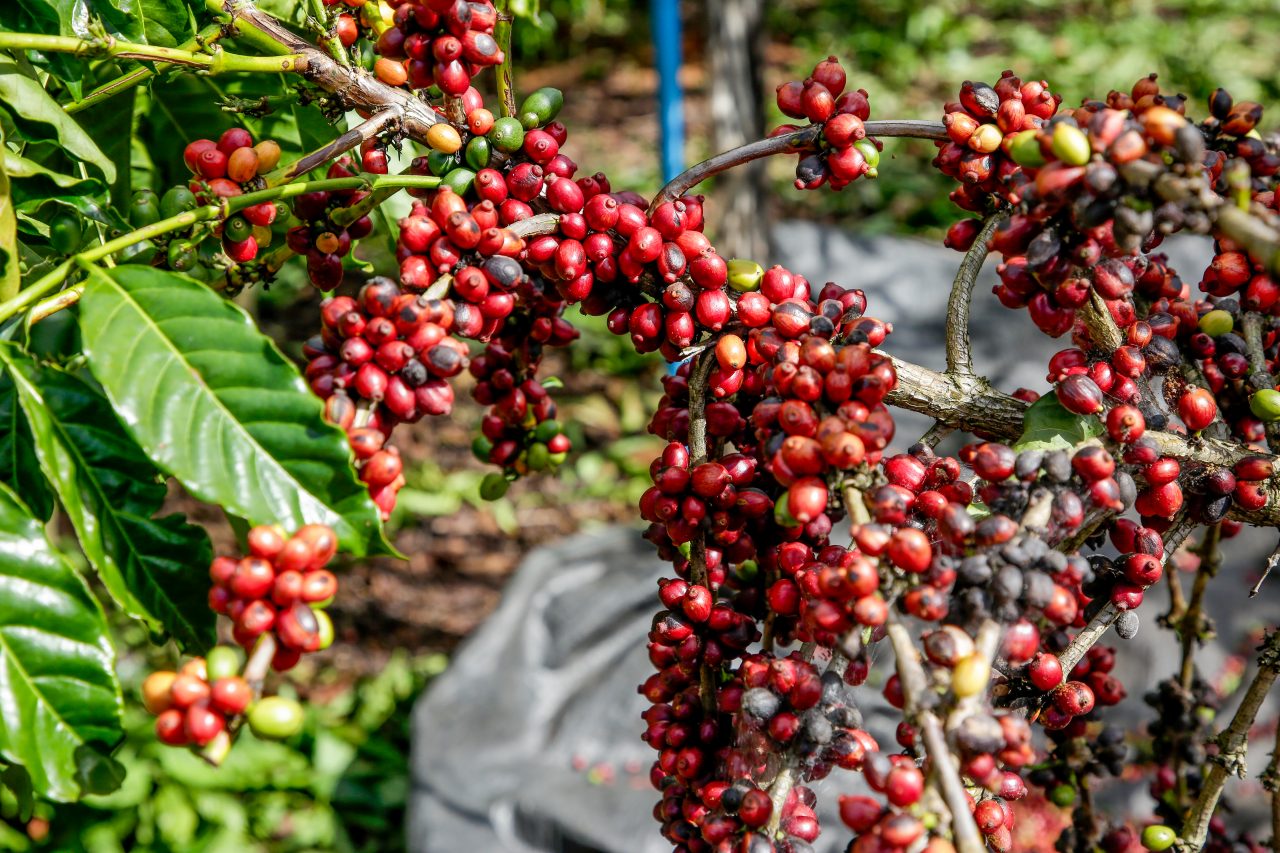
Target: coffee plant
[{"x": 799, "y": 542}]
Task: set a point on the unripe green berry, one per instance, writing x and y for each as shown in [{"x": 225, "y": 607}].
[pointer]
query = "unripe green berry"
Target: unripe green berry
[
  {"x": 493, "y": 486},
  {"x": 1217, "y": 322},
  {"x": 745, "y": 274},
  {"x": 1062, "y": 796},
  {"x": 1025, "y": 149},
  {"x": 1265, "y": 404},
  {"x": 222, "y": 662},
  {"x": 1158, "y": 837},
  {"x": 275, "y": 718},
  {"x": 1070, "y": 145}
]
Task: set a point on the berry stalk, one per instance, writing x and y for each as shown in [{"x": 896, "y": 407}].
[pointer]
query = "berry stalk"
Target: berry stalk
[
  {"x": 1232, "y": 742},
  {"x": 201, "y": 214},
  {"x": 111, "y": 88},
  {"x": 217, "y": 62}
]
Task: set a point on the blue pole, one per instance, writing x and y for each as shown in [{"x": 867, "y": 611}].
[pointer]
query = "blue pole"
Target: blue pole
[{"x": 665, "y": 25}]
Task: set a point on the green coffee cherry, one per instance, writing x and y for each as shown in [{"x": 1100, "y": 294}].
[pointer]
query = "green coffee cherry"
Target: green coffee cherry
[
  {"x": 145, "y": 209},
  {"x": 494, "y": 486},
  {"x": 1070, "y": 145},
  {"x": 237, "y": 229},
  {"x": 460, "y": 180},
  {"x": 748, "y": 570},
  {"x": 440, "y": 164},
  {"x": 745, "y": 274},
  {"x": 222, "y": 662},
  {"x": 557, "y": 459},
  {"x": 541, "y": 107},
  {"x": 275, "y": 718},
  {"x": 481, "y": 447},
  {"x": 537, "y": 457},
  {"x": 478, "y": 152},
  {"x": 1217, "y": 322},
  {"x": 177, "y": 200},
  {"x": 1025, "y": 149},
  {"x": 871, "y": 154},
  {"x": 1062, "y": 796},
  {"x": 324, "y": 627},
  {"x": 1265, "y": 405},
  {"x": 1158, "y": 837},
  {"x": 183, "y": 256},
  {"x": 507, "y": 134},
  {"x": 66, "y": 231},
  {"x": 546, "y": 431},
  {"x": 782, "y": 515}
]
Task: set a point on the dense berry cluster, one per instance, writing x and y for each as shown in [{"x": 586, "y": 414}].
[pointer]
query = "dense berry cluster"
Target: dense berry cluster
[
  {"x": 798, "y": 541},
  {"x": 843, "y": 153},
  {"x": 316, "y": 237},
  {"x": 280, "y": 589},
  {"x": 227, "y": 168},
  {"x": 441, "y": 43},
  {"x": 983, "y": 127},
  {"x": 382, "y": 358}
]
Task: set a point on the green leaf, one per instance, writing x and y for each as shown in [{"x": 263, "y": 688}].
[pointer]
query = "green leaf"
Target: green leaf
[
  {"x": 10, "y": 273},
  {"x": 40, "y": 117},
  {"x": 214, "y": 403},
  {"x": 155, "y": 569},
  {"x": 58, "y": 686},
  {"x": 1048, "y": 425},
  {"x": 33, "y": 184},
  {"x": 112, "y": 123},
  {"x": 19, "y": 467},
  {"x": 163, "y": 22},
  {"x": 16, "y": 779}
]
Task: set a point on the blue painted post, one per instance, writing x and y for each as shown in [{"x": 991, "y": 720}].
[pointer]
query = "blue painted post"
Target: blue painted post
[{"x": 665, "y": 25}]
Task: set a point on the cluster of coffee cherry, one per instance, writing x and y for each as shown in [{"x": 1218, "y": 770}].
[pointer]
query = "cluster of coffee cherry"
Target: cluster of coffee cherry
[
  {"x": 281, "y": 588},
  {"x": 777, "y": 433},
  {"x": 441, "y": 43},
  {"x": 319, "y": 239},
  {"x": 227, "y": 168},
  {"x": 984, "y": 127},
  {"x": 382, "y": 358},
  {"x": 844, "y": 152}
]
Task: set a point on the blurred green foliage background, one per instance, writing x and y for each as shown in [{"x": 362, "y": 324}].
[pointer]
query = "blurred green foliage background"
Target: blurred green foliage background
[{"x": 340, "y": 786}]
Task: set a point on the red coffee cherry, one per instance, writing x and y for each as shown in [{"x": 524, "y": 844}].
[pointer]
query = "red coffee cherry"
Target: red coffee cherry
[
  {"x": 1045, "y": 671},
  {"x": 1073, "y": 698}
]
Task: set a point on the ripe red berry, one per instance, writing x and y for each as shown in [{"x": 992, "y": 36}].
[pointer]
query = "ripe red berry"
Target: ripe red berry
[
  {"x": 1045, "y": 671},
  {"x": 1197, "y": 408},
  {"x": 1074, "y": 698},
  {"x": 909, "y": 549}
]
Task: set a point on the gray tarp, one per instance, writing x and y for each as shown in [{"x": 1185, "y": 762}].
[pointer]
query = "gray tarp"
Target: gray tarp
[{"x": 530, "y": 741}]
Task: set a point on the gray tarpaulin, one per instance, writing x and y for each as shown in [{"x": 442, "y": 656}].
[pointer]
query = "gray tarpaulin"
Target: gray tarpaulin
[{"x": 530, "y": 741}]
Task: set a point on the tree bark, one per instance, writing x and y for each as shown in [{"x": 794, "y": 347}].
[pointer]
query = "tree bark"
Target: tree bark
[{"x": 740, "y": 223}]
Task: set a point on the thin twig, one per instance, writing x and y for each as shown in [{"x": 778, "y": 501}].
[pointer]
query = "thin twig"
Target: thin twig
[
  {"x": 1091, "y": 633},
  {"x": 935, "y": 434},
  {"x": 1194, "y": 623},
  {"x": 915, "y": 687},
  {"x": 327, "y": 32},
  {"x": 788, "y": 143},
  {"x": 1232, "y": 744},
  {"x": 326, "y": 154},
  {"x": 959, "y": 352},
  {"x": 502, "y": 35},
  {"x": 1271, "y": 782},
  {"x": 1272, "y": 561}
]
